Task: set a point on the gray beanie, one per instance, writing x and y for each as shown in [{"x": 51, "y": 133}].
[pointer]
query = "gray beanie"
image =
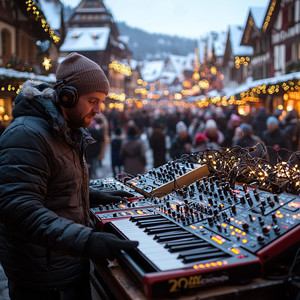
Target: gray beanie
[{"x": 83, "y": 74}]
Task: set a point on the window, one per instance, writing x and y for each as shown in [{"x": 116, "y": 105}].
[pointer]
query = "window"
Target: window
[
  {"x": 91, "y": 3},
  {"x": 6, "y": 43},
  {"x": 291, "y": 14}
]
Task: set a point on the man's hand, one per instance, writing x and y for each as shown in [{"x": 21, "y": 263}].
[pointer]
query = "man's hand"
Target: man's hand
[
  {"x": 101, "y": 197},
  {"x": 106, "y": 245}
]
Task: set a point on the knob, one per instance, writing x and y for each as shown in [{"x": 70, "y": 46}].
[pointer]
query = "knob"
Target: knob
[
  {"x": 260, "y": 238},
  {"x": 246, "y": 226}
]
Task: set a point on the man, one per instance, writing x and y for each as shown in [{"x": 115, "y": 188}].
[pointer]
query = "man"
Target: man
[
  {"x": 45, "y": 238},
  {"x": 181, "y": 143}
]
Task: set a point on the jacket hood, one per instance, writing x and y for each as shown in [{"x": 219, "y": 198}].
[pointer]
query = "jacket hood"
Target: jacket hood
[{"x": 39, "y": 99}]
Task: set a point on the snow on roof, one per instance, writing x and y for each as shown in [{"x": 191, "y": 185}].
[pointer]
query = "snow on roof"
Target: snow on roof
[
  {"x": 86, "y": 39},
  {"x": 133, "y": 64},
  {"x": 213, "y": 39},
  {"x": 258, "y": 14},
  {"x": 52, "y": 12},
  {"x": 265, "y": 81},
  {"x": 152, "y": 70},
  {"x": 190, "y": 61},
  {"x": 11, "y": 73},
  {"x": 235, "y": 36},
  {"x": 178, "y": 62},
  {"x": 167, "y": 78}
]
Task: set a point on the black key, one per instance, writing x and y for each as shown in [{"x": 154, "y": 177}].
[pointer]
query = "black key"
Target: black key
[
  {"x": 161, "y": 229},
  {"x": 185, "y": 242},
  {"x": 201, "y": 257},
  {"x": 192, "y": 245},
  {"x": 173, "y": 237},
  {"x": 149, "y": 224}
]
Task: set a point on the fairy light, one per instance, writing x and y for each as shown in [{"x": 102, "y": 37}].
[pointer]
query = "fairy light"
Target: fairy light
[
  {"x": 47, "y": 63},
  {"x": 121, "y": 68},
  {"x": 31, "y": 6},
  {"x": 269, "y": 15},
  {"x": 248, "y": 29},
  {"x": 241, "y": 61}
]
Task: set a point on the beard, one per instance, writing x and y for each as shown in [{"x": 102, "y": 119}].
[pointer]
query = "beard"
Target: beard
[{"x": 76, "y": 121}]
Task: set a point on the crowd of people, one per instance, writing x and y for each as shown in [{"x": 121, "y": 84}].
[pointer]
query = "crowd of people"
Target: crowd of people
[{"x": 193, "y": 130}]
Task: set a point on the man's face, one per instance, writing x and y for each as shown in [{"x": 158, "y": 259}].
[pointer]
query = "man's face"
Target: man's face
[
  {"x": 271, "y": 127},
  {"x": 82, "y": 114}
]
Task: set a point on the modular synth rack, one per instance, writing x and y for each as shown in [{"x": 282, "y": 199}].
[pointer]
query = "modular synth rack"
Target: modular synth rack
[{"x": 198, "y": 234}]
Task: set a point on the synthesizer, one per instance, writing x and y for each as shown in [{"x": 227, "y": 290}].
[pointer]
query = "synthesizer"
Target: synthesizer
[
  {"x": 168, "y": 177},
  {"x": 204, "y": 233}
]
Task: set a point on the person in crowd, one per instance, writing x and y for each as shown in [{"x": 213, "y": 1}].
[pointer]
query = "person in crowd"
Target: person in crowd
[
  {"x": 181, "y": 143},
  {"x": 292, "y": 130},
  {"x": 233, "y": 123},
  {"x": 133, "y": 152},
  {"x": 212, "y": 133},
  {"x": 195, "y": 127},
  {"x": 93, "y": 150},
  {"x": 115, "y": 148},
  {"x": 273, "y": 136},
  {"x": 201, "y": 143},
  {"x": 103, "y": 123},
  {"x": 157, "y": 142},
  {"x": 45, "y": 236},
  {"x": 259, "y": 122},
  {"x": 246, "y": 138}
]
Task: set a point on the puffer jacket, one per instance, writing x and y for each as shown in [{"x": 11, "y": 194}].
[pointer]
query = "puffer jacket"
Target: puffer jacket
[{"x": 44, "y": 210}]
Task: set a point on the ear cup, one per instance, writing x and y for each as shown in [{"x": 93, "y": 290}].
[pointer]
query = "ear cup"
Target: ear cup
[{"x": 68, "y": 96}]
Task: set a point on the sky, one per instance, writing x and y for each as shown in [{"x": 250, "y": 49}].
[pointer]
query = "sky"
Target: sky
[{"x": 185, "y": 18}]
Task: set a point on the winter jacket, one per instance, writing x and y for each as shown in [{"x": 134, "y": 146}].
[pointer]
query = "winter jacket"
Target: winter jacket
[
  {"x": 44, "y": 211},
  {"x": 133, "y": 154}
]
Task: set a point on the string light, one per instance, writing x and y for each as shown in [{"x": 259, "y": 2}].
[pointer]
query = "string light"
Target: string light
[
  {"x": 269, "y": 15},
  {"x": 121, "y": 68},
  {"x": 31, "y": 6}
]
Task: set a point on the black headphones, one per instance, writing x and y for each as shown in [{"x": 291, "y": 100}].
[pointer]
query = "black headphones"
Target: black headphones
[{"x": 67, "y": 95}]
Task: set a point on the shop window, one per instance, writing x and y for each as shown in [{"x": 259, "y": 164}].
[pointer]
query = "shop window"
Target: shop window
[{"x": 6, "y": 43}]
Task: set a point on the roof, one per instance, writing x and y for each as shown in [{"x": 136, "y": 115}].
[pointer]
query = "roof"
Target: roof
[
  {"x": 86, "y": 39},
  {"x": 213, "y": 39},
  {"x": 265, "y": 81},
  {"x": 11, "y": 73},
  {"x": 152, "y": 70},
  {"x": 52, "y": 12},
  {"x": 235, "y": 36}
]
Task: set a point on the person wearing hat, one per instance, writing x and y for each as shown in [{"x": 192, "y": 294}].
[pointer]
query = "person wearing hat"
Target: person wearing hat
[
  {"x": 181, "y": 143},
  {"x": 45, "y": 237},
  {"x": 273, "y": 136}
]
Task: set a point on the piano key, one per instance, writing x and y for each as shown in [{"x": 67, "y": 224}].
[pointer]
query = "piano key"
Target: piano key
[
  {"x": 200, "y": 258},
  {"x": 158, "y": 229},
  {"x": 195, "y": 245},
  {"x": 154, "y": 222},
  {"x": 200, "y": 251},
  {"x": 154, "y": 251}
]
